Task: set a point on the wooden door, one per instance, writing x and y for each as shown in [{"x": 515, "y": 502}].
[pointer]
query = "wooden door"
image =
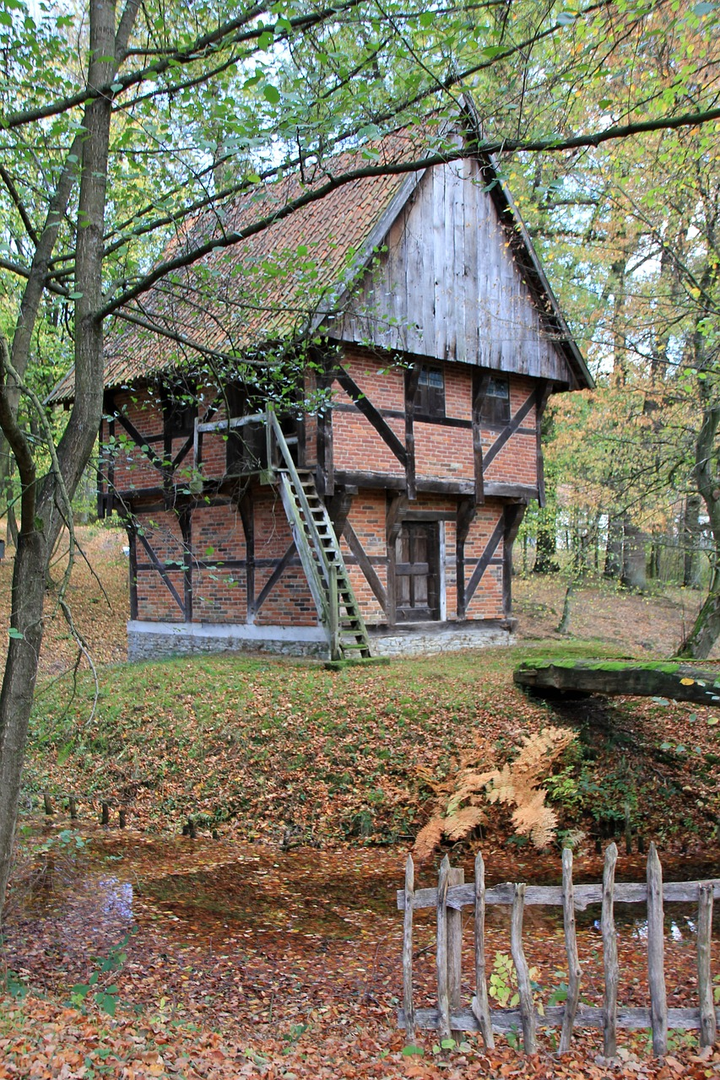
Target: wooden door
[{"x": 417, "y": 572}]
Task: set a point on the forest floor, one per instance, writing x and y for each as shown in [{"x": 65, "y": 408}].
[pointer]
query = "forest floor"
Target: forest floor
[{"x": 269, "y": 945}]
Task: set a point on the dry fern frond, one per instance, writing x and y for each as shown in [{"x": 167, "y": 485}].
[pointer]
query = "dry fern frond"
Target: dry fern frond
[
  {"x": 515, "y": 784},
  {"x": 503, "y": 786},
  {"x": 429, "y": 838},
  {"x": 460, "y": 825}
]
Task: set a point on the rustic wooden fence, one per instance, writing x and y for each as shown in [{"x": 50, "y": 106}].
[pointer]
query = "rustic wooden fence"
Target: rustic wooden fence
[{"x": 453, "y": 894}]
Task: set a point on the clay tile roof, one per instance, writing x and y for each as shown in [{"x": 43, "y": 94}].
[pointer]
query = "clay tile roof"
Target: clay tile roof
[{"x": 269, "y": 286}]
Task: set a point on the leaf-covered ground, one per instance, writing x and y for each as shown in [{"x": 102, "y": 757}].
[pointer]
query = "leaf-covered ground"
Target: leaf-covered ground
[{"x": 270, "y": 944}]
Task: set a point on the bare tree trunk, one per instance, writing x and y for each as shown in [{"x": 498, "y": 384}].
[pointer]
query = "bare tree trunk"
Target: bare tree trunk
[
  {"x": 691, "y": 537},
  {"x": 614, "y": 549},
  {"x": 634, "y": 571},
  {"x": 28, "y": 591},
  {"x": 42, "y": 513}
]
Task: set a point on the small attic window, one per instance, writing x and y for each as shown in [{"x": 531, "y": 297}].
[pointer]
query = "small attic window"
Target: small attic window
[
  {"x": 496, "y": 406},
  {"x": 430, "y": 393}
]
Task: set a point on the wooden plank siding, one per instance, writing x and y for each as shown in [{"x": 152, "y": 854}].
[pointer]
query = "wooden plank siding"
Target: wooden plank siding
[{"x": 448, "y": 286}]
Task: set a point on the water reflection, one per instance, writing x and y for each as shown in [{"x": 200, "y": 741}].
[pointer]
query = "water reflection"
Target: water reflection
[{"x": 117, "y": 900}]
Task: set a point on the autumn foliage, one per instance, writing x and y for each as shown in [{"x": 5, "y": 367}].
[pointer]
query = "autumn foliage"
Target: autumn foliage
[{"x": 516, "y": 784}]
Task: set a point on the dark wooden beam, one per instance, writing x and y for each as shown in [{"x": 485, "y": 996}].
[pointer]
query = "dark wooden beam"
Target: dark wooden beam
[
  {"x": 412, "y": 376},
  {"x": 480, "y": 383},
  {"x": 396, "y": 508},
  {"x": 247, "y": 515},
  {"x": 338, "y": 507},
  {"x": 274, "y": 577},
  {"x": 512, "y": 426},
  {"x": 185, "y": 516},
  {"x": 433, "y": 485},
  {"x": 466, "y": 511},
  {"x": 420, "y": 417},
  {"x": 141, "y": 443},
  {"x": 158, "y": 566},
  {"x": 366, "y": 566},
  {"x": 372, "y": 415},
  {"x": 133, "y": 569},
  {"x": 484, "y": 560},
  {"x": 513, "y": 514}
]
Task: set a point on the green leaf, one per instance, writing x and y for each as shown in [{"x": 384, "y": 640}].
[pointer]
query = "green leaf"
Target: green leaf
[
  {"x": 272, "y": 94},
  {"x": 411, "y": 1050},
  {"x": 427, "y": 18},
  {"x": 447, "y": 1044},
  {"x": 15, "y": 633}
]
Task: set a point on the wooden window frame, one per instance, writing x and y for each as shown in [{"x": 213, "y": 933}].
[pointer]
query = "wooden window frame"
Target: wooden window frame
[
  {"x": 495, "y": 407},
  {"x": 430, "y": 395}
]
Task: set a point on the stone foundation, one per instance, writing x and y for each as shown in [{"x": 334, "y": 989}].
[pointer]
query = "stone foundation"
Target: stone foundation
[
  {"x": 155, "y": 640},
  {"x": 420, "y": 639}
]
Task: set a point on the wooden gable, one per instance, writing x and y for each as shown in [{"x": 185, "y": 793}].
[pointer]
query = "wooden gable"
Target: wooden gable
[{"x": 455, "y": 278}]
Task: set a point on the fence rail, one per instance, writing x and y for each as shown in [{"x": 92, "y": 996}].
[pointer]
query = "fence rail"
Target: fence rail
[{"x": 453, "y": 894}]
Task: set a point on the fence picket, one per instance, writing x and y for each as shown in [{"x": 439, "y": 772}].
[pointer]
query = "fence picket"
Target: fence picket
[
  {"x": 450, "y": 1018},
  {"x": 610, "y": 955},
  {"x": 480, "y": 1003},
  {"x": 708, "y": 1025},
  {"x": 527, "y": 1009},
  {"x": 456, "y": 876},
  {"x": 656, "y": 954},
  {"x": 407, "y": 954},
  {"x": 571, "y": 951},
  {"x": 442, "y": 965}
]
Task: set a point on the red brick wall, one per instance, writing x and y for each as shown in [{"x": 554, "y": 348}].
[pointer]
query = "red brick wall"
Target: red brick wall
[
  {"x": 440, "y": 451},
  {"x": 368, "y": 516}
]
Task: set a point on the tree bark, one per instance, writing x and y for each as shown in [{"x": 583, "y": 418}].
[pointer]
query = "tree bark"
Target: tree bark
[
  {"x": 677, "y": 681},
  {"x": 634, "y": 571},
  {"x": 691, "y": 538},
  {"x": 44, "y": 512},
  {"x": 614, "y": 549}
]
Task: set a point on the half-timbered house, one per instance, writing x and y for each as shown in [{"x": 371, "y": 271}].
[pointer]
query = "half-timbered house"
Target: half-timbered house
[{"x": 377, "y": 513}]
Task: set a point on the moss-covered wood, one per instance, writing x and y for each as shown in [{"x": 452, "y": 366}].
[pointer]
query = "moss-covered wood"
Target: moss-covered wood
[{"x": 680, "y": 682}]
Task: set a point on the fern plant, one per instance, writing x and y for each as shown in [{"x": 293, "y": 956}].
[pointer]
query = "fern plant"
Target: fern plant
[{"x": 516, "y": 784}]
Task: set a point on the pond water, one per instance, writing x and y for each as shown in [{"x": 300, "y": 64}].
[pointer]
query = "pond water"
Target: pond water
[{"x": 245, "y": 931}]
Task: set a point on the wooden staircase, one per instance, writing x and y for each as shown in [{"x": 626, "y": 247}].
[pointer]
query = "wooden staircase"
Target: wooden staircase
[{"x": 320, "y": 555}]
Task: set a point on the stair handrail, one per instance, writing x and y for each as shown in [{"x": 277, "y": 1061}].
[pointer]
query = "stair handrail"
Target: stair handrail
[{"x": 289, "y": 466}]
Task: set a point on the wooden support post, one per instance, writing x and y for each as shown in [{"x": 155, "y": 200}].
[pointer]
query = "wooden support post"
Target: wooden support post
[
  {"x": 513, "y": 514},
  {"x": 47, "y": 804},
  {"x": 442, "y": 949},
  {"x": 407, "y": 953},
  {"x": 411, "y": 385},
  {"x": 186, "y": 532},
  {"x": 105, "y": 813},
  {"x": 480, "y": 1003},
  {"x": 466, "y": 511},
  {"x": 656, "y": 954},
  {"x": 72, "y": 806},
  {"x": 133, "y": 570},
  {"x": 527, "y": 1008},
  {"x": 456, "y": 876},
  {"x": 122, "y": 817},
  {"x": 708, "y": 1022},
  {"x": 610, "y": 955},
  {"x": 481, "y": 381},
  {"x": 571, "y": 951},
  {"x": 247, "y": 516}
]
